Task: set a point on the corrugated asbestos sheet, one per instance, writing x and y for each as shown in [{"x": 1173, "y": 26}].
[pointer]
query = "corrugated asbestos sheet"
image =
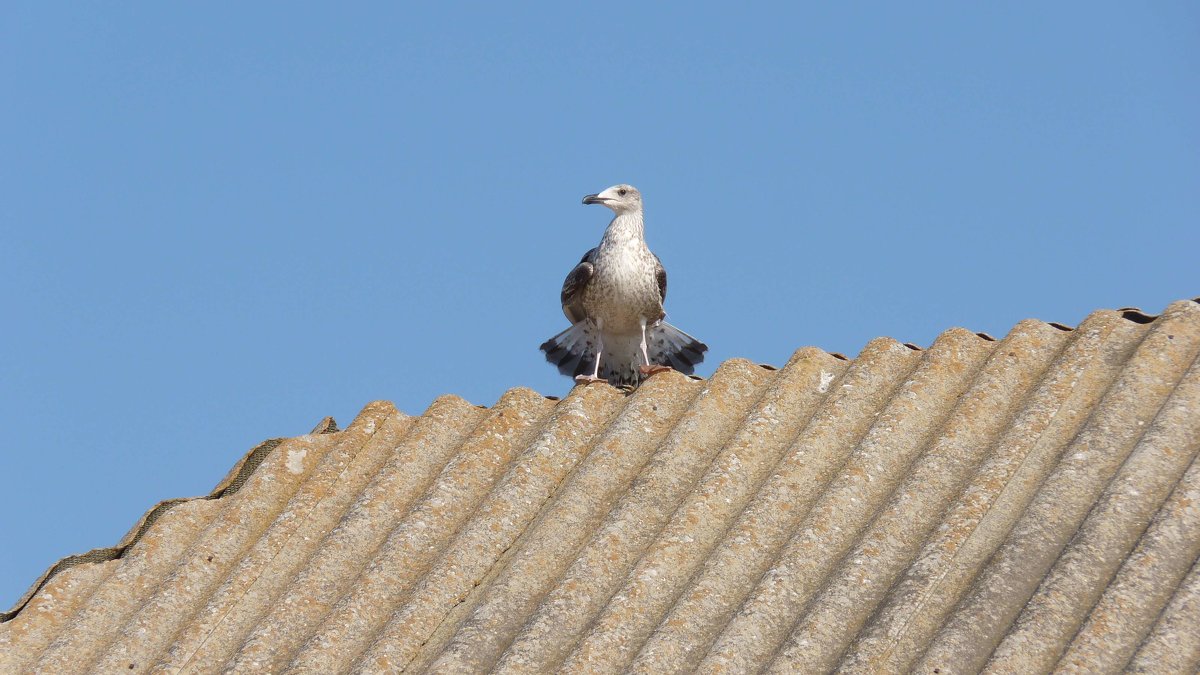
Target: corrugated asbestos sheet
[{"x": 1024, "y": 505}]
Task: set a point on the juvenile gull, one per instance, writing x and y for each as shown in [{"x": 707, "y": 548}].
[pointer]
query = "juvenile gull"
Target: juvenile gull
[{"x": 614, "y": 301}]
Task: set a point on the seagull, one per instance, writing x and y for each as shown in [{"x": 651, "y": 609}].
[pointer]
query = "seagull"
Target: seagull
[{"x": 614, "y": 301}]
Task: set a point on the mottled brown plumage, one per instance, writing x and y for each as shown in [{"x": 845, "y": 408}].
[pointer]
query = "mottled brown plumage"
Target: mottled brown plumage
[{"x": 614, "y": 301}]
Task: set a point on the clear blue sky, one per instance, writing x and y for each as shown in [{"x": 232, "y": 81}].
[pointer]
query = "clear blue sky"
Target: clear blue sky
[{"x": 220, "y": 224}]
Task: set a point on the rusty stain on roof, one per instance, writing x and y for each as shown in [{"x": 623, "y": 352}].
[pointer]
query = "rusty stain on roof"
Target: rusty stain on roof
[{"x": 1025, "y": 504}]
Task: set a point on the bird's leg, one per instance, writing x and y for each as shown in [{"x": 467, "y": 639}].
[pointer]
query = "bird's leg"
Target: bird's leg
[
  {"x": 648, "y": 368},
  {"x": 645, "y": 354},
  {"x": 599, "y": 351},
  {"x": 595, "y": 376}
]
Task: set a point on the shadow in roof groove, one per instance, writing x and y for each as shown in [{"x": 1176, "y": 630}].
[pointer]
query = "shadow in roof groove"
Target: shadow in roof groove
[{"x": 1137, "y": 316}]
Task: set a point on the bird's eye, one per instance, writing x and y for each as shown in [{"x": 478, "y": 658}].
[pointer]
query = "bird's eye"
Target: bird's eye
[{"x": 621, "y": 192}]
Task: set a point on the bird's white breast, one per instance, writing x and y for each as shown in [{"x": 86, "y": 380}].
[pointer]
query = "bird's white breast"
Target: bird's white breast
[{"x": 624, "y": 289}]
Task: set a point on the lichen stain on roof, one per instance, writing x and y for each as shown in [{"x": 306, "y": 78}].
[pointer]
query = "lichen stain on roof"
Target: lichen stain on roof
[{"x": 1030, "y": 504}]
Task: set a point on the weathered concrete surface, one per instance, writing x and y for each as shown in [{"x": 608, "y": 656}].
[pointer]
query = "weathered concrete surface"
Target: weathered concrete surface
[{"x": 1021, "y": 505}]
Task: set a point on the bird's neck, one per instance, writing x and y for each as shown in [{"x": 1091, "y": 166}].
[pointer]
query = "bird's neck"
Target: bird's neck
[{"x": 627, "y": 228}]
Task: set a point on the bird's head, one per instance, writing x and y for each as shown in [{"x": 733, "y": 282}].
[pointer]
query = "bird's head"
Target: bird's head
[{"x": 621, "y": 199}]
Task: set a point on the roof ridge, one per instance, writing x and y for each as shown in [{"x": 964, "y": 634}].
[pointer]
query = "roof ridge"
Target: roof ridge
[{"x": 249, "y": 463}]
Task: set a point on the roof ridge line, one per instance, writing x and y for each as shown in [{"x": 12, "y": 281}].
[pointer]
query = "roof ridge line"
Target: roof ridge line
[{"x": 249, "y": 463}]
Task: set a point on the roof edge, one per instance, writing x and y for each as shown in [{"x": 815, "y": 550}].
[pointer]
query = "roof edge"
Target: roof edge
[{"x": 230, "y": 484}]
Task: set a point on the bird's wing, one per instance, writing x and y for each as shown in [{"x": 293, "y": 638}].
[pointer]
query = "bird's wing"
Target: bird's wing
[
  {"x": 572, "y": 290},
  {"x": 660, "y": 274}
]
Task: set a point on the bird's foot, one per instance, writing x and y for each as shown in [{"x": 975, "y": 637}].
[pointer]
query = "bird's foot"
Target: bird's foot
[
  {"x": 588, "y": 379},
  {"x": 653, "y": 369}
]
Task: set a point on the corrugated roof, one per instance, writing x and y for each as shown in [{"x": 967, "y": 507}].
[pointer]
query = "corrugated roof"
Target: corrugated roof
[{"x": 1023, "y": 505}]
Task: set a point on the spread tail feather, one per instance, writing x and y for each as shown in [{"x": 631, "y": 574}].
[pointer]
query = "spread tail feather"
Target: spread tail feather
[
  {"x": 669, "y": 346},
  {"x": 573, "y": 351}
]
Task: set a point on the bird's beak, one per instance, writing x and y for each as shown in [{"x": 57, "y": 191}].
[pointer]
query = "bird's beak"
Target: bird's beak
[{"x": 594, "y": 199}]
